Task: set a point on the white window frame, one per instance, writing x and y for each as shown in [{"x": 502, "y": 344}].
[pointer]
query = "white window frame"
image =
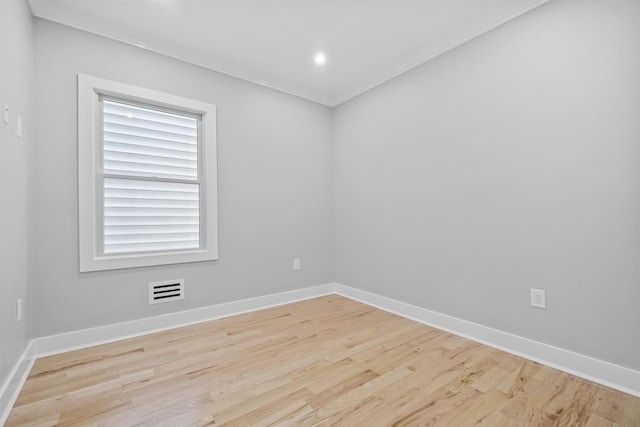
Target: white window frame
[{"x": 90, "y": 89}]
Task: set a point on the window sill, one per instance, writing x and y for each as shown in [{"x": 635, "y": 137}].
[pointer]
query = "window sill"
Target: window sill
[{"x": 115, "y": 262}]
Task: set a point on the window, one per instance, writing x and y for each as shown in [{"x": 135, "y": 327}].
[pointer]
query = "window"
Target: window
[{"x": 147, "y": 177}]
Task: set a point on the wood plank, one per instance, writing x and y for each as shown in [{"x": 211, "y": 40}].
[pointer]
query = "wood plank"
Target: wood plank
[{"x": 329, "y": 361}]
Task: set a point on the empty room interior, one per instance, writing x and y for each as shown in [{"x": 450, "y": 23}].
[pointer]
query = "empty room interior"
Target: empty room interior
[{"x": 320, "y": 213}]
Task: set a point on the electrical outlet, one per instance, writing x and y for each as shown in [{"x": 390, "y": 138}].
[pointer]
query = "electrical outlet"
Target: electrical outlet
[
  {"x": 19, "y": 310},
  {"x": 538, "y": 298},
  {"x": 296, "y": 264}
]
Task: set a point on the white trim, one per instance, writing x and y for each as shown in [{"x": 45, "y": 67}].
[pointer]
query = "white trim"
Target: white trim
[
  {"x": 589, "y": 368},
  {"x": 90, "y": 24},
  {"x": 617, "y": 377},
  {"x": 61, "y": 15},
  {"x": 14, "y": 382},
  {"x": 420, "y": 58},
  {"x": 75, "y": 340},
  {"x": 89, "y": 90},
  {"x": 592, "y": 369}
]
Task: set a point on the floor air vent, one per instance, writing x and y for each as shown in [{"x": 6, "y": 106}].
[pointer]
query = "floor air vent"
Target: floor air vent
[{"x": 169, "y": 290}]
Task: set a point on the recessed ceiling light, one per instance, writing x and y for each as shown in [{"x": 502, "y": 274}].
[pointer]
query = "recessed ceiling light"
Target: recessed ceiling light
[{"x": 320, "y": 58}]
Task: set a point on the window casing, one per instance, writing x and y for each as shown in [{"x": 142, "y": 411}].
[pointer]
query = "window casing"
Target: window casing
[{"x": 147, "y": 177}]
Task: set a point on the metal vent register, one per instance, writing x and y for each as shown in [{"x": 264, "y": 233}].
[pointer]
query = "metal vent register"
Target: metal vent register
[{"x": 169, "y": 290}]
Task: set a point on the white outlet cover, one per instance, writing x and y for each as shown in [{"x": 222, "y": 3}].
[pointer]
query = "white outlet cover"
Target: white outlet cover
[{"x": 538, "y": 298}]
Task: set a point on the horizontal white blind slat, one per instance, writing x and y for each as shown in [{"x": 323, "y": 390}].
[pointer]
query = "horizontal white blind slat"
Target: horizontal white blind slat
[
  {"x": 119, "y": 202},
  {"x": 150, "y": 212},
  {"x": 146, "y": 132},
  {"x": 117, "y": 155},
  {"x": 162, "y": 127},
  {"x": 143, "y": 215},
  {"x": 160, "y": 189},
  {"x": 119, "y": 230},
  {"x": 140, "y": 221},
  {"x": 148, "y": 247},
  {"x": 149, "y": 215},
  {"x": 148, "y": 170},
  {"x": 130, "y": 111},
  {"x": 145, "y": 142},
  {"x": 121, "y": 239},
  {"x": 150, "y": 143},
  {"x": 123, "y": 193},
  {"x": 159, "y": 153}
]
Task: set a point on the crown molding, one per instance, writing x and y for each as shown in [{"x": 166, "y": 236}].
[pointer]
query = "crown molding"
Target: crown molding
[
  {"x": 53, "y": 12},
  {"x": 100, "y": 27},
  {"x": 422, "y": 58}
]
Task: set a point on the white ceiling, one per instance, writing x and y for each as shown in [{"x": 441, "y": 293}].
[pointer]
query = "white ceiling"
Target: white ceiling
[{"x": 272, "y": 42}]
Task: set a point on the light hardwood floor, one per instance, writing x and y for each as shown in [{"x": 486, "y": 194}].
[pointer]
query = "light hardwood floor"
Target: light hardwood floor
[{"x": 328, "y": 361}]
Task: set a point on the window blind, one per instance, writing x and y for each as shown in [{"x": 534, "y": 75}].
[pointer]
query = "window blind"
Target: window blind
[{"x": 150, "y": 179}]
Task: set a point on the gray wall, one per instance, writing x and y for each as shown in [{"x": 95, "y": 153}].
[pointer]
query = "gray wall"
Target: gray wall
[
  {"x": 16, "y": 88},
  {"x": 274, "y": 174},
  {"x": 506, "y": 164}
]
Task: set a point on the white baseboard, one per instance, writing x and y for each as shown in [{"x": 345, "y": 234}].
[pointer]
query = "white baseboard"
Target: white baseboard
[
  {"x": 598, "y": 371},
  {"x": 589, "y": 368},
  {"x": 13, "y": 384},
  {"x": 75, "y": 340}
]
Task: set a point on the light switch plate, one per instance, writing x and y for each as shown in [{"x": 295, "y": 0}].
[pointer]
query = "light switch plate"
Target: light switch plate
[{"x": 19, "y": 127}]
